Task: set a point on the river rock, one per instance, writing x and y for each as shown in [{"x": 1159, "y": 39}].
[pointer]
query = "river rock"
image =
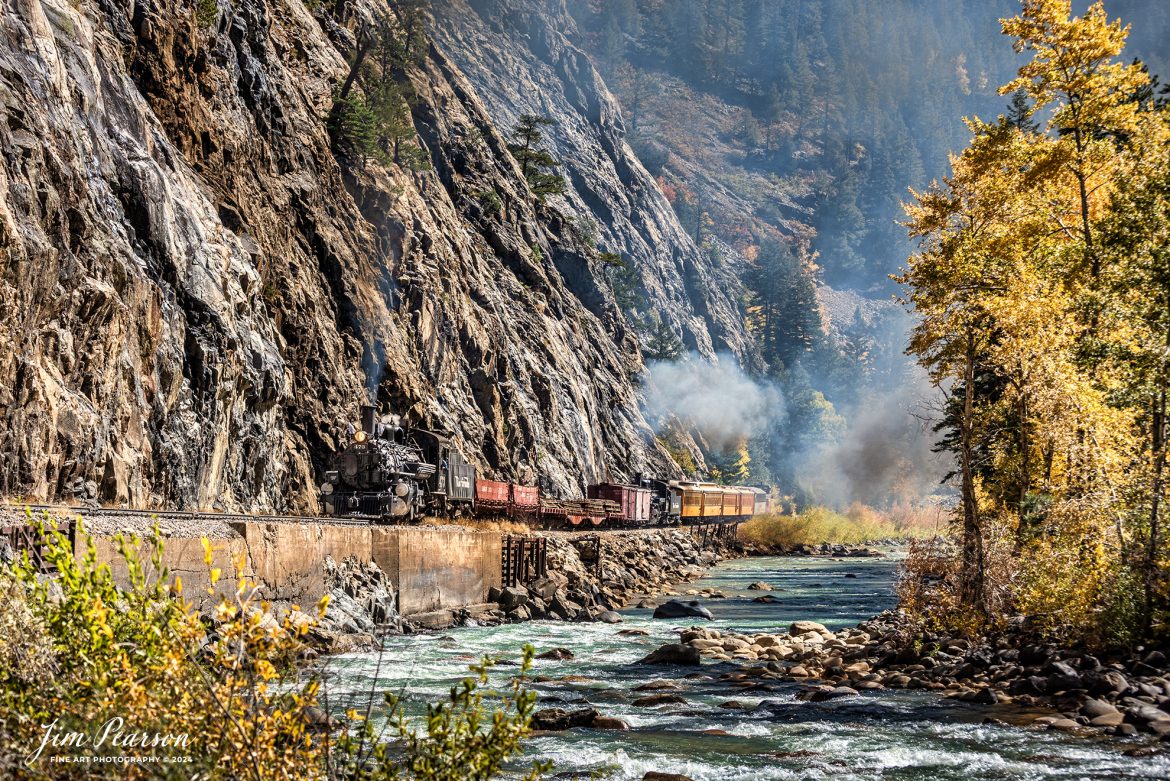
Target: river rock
[
  {"x": 677, "y": 608},
  {"x": 563, "y": 718},
  {"x": 609, "y": 617},
  {"x": 765, "y": 599},
  {"x": 659, "y": 699},
  {"x": 658, "y": 685},
  {"x": 1063, "y": 724},
  {"x": 545, "y": 588},
  {"x": 673, "y": 653},
  {"x": 559, "y": 654},
  {"x": 610, "y": 722},
  {"x": 1094, "y": 708},
  {"x": 760, "y": 586},
  {"x": 512, "y": 597},
  {"x": 654, "y": 775},
  {"x": 797, "y": 628},
  {"x": 822, "y": 693}
]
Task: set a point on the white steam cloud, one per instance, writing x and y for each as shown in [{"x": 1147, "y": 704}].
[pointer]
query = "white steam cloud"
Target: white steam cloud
[{"x": 717, "y": 398}]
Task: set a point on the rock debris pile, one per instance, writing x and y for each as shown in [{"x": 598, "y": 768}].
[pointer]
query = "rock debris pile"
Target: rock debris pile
[{"x": 584, "y": 587}]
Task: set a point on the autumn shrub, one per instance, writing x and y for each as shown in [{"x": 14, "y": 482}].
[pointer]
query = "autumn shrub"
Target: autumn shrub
[
  {"x": 816, "y": 525},
  {"x": 79, "y": 650}
]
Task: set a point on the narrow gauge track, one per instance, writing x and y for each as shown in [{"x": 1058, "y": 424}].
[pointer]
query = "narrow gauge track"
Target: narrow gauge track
[{"x": 189, "y": 515}]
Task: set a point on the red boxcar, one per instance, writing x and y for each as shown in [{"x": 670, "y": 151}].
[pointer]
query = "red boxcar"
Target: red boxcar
[{"x": 634, "y": 502}]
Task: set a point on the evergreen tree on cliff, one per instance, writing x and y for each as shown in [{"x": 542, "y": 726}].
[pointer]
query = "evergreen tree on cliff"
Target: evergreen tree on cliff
[{"x": 536, "y": 163}]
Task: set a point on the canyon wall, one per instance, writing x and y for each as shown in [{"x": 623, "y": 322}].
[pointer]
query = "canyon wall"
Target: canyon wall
[{"x": 196, "y": 295}]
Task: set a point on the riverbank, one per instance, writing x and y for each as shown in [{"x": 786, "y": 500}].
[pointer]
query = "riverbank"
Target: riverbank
[
  {"x": 1120, "y": 696},
  {"x": 727, "y": 727},
  {"x": 591, "y": 577}
]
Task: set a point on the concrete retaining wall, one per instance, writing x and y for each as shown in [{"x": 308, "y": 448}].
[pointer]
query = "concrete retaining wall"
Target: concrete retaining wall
[
  {"x": 432, "y": 567},
  {"x": 437, "y": 568}
]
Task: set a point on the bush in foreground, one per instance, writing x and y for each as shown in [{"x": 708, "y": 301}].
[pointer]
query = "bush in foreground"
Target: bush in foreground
[{"x": 78, "y": 652}]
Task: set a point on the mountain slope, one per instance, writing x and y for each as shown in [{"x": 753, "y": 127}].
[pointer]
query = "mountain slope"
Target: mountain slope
[{"x": 197, "y": 295}]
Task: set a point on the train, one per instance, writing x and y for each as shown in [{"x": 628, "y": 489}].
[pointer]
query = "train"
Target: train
[{"x": 389, "y": 472}]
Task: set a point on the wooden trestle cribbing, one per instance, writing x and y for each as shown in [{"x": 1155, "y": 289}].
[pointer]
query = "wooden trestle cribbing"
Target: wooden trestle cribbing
[
  {"x": 25, "y": 537},
  {"x": 523, "y": 559},
  {"x": 710, "y": 532}
]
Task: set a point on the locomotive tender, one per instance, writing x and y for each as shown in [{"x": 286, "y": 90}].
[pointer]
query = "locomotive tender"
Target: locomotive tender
[{"x": 389, "y": 472}]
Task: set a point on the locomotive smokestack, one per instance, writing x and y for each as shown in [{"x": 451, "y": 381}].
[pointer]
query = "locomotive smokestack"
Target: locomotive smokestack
[{"x": 369, "y": 419}]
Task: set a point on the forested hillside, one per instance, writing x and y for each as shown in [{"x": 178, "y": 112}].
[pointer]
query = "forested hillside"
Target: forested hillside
[
  {"x": 787, "y": 135},
  {"x": 1041, "y": 283}
]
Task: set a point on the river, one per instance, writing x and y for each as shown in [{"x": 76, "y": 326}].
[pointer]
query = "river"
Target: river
[{"x": 878, "y": 735}]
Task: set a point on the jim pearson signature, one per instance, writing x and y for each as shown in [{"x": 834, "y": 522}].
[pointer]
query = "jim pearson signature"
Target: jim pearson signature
[{"x": 112, "y": 733}]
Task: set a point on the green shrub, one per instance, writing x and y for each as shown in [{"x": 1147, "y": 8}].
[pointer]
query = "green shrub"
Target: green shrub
[
  {"x": 206, "y": 12},
  {"x": 78, "y": 650}
]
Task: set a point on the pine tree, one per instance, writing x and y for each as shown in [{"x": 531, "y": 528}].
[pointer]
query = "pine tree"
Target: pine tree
[
  {"x": 536, "y": 163},
  {"x": 662, "y": 344},
  {"x": 1019, "y": 113}
]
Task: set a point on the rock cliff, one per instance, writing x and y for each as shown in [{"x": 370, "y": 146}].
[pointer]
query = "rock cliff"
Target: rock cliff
[
  {"x": 520, "y": 56},
  {"x": 195, "y": 295}
]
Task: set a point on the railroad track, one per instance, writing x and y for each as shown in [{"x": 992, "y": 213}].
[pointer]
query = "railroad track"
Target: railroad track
[{"x": 189, "y": 515}]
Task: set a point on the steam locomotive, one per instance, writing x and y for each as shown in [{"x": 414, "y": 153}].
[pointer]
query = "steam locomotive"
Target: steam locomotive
[{"x": 389, "y": 472}]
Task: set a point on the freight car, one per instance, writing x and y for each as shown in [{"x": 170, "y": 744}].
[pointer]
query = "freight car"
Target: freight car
[{"x": 391, "y": 472}]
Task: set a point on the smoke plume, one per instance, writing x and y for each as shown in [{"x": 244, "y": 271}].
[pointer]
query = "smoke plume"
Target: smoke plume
[{"x": 717, "y": 399}]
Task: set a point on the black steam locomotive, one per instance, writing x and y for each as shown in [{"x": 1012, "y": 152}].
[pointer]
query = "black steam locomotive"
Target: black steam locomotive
[{"x": 391, "y": 471}]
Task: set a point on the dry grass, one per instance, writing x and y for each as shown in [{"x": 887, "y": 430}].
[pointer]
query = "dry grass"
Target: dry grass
[
  {"x": 858, "y": 524},
  {"x": 486, "y": 524}
]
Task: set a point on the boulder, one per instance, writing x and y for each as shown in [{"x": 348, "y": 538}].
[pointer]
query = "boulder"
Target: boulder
[
  {"x": 651, "y": 700},
  {"x": 609, "y": 617},
  {"x": 677, "y": 608},
  {"x": 1094, "y": 708},
  {"x": 760, "y": 586},
  {"x": 822, "y": 693},
  {"x": 563, "y": 718},
  {"x": 543, "y": 588},
  {"x": 673, "y": 653},
  {"x": 658, "y": 685},
  {"x": 654, "y": 775},
  {"x": 565, "y": 608},
  {"x": 610, "y": 722},
  {"x": 804, "y": 627},
  {"x": 559, "y": 654},
  {"x": 512, "y": 597}
]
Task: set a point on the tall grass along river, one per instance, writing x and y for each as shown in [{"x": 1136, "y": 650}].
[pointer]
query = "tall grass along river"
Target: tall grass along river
[{"x": 877, "y": 735}]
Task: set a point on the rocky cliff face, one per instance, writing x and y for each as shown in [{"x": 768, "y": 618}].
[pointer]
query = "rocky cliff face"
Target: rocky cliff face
[
  {"x": 521, "y": 59},
  {"x": 195, "y": 296}
]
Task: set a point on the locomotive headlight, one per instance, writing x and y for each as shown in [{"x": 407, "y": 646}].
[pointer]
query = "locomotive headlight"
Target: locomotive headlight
[
  {"x": 326, "y": 488},
  {"x": 402, "y": 489},
  {"x": 359, "y": 437}
]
